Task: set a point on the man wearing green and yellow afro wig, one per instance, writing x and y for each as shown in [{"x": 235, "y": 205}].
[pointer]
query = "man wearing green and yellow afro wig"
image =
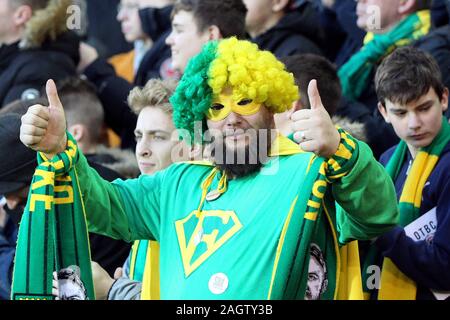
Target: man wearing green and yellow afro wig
[{"x": 266, "y": 218}]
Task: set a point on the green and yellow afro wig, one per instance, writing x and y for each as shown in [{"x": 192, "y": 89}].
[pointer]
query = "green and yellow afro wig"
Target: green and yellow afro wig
[{"x": 252, "y": 73}]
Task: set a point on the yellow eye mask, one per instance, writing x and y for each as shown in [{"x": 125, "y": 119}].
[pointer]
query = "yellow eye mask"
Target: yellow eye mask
[{"x": 225, "y": 104}]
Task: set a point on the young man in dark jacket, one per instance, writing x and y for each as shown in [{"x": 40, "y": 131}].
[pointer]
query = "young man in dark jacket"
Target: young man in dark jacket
[
  {"x": 113, "y": 89},
  {"x": 284, "y": 28},
  {"x": 32, "y": 49},
  {"x": 389, "y": 24},
  {"x": 343, "y": 37},
  {"x": 417, "y": 252}
]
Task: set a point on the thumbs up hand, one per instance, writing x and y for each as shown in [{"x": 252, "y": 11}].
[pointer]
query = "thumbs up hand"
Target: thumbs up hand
[
  {"x": 313, "y": 128},
  {"x": 44, "y": 128}
]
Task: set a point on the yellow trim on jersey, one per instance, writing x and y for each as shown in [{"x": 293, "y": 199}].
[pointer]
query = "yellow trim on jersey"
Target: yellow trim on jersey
[
  {"x": 280, "y": 246},
  {"x": 336, "y": 248},
  {"x": 133, "y": 258},
  {"x": 283, "y": 146},
  {"x": 150, "y": 280}
]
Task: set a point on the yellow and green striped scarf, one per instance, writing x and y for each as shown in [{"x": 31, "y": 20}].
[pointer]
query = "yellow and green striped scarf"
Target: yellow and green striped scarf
[
  {"x": 355, "y": 74},
  {"x": 53, "y": 233},
  {"x": 394, "y": 284},
  {"x": 303, "y": 222}
]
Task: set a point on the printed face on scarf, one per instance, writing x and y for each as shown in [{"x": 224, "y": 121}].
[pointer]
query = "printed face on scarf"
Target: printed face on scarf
[
  {"x": 378, "y": 16},
  {"x": 241, "y": 130},
  {"x": 153, "y": 134},
  {"x": 70, "y": 285},
  {"x": 418, "y": 122},
  {"x": 317, "y": 277}
]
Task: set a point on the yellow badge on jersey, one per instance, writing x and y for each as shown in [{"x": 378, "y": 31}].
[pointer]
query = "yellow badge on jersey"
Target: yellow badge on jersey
[{"x": 201, "y": 234}]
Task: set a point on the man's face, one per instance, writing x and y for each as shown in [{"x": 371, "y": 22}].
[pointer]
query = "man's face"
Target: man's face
[
  {"x": 418, "y": 122},
  {"x": 71, "y": 290},
  {"x": 153, "y": 133},
  {"x": 383, "y": 11},
  {"x": 185, "y": 40},
  {"x": 316, "y": 278},
  {"x": 240, "y": 136},
  {"x": 259, "y": 12},
  {"x": 7, "y": 22},
  {"x": 128, "y": 17},
  {"x": 18, "y": 199}
]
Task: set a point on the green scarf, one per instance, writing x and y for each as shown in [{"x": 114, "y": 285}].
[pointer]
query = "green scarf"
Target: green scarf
[
  {"x": 394, "y": 284},
  {"x": 355, "y": 74},
  {"x": 309, "y": 220},
  {"x": 53, "y": 234}
]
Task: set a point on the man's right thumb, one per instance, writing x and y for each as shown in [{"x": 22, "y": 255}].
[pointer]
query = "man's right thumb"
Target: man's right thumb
[
  {"x": 314, "y": 96},
  {"x": 52, "y": 95}
]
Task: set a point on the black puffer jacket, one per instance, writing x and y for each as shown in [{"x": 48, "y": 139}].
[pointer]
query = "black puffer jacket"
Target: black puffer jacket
[
  {"x": 113, "y": 90},
  {"x": 24, "y": 72},
  {"x": 297, "y": 32}
]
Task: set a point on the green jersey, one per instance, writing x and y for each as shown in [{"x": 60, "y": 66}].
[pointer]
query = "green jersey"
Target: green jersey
[{"x": 230, "y": 239}]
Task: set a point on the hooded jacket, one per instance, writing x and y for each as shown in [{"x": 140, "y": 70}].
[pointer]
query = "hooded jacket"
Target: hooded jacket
[
  {"x": 437, "y": 43},
  {"x": 46, "y": 50},
  {"x": 343, "y": 37},
  {"x": 297, "y": 32},
  {"x": 113, "y": 90},
  {"x": 440, "y": 12}
]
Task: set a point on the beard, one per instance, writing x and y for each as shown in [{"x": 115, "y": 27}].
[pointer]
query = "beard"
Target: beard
[{"x": 241, "y": 161}]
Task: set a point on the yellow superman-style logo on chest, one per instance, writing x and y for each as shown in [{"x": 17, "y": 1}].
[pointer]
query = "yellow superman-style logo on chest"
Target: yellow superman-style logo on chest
[{"x": 201, "y": 234}]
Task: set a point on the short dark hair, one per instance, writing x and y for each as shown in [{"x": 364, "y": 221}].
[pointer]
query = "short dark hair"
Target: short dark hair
[
  {"x": 227, "y": 15},
  {"x": 306, "y": 67},
  {"x": 82, "y": 105},
  {"x": 407, "y": 74}
]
